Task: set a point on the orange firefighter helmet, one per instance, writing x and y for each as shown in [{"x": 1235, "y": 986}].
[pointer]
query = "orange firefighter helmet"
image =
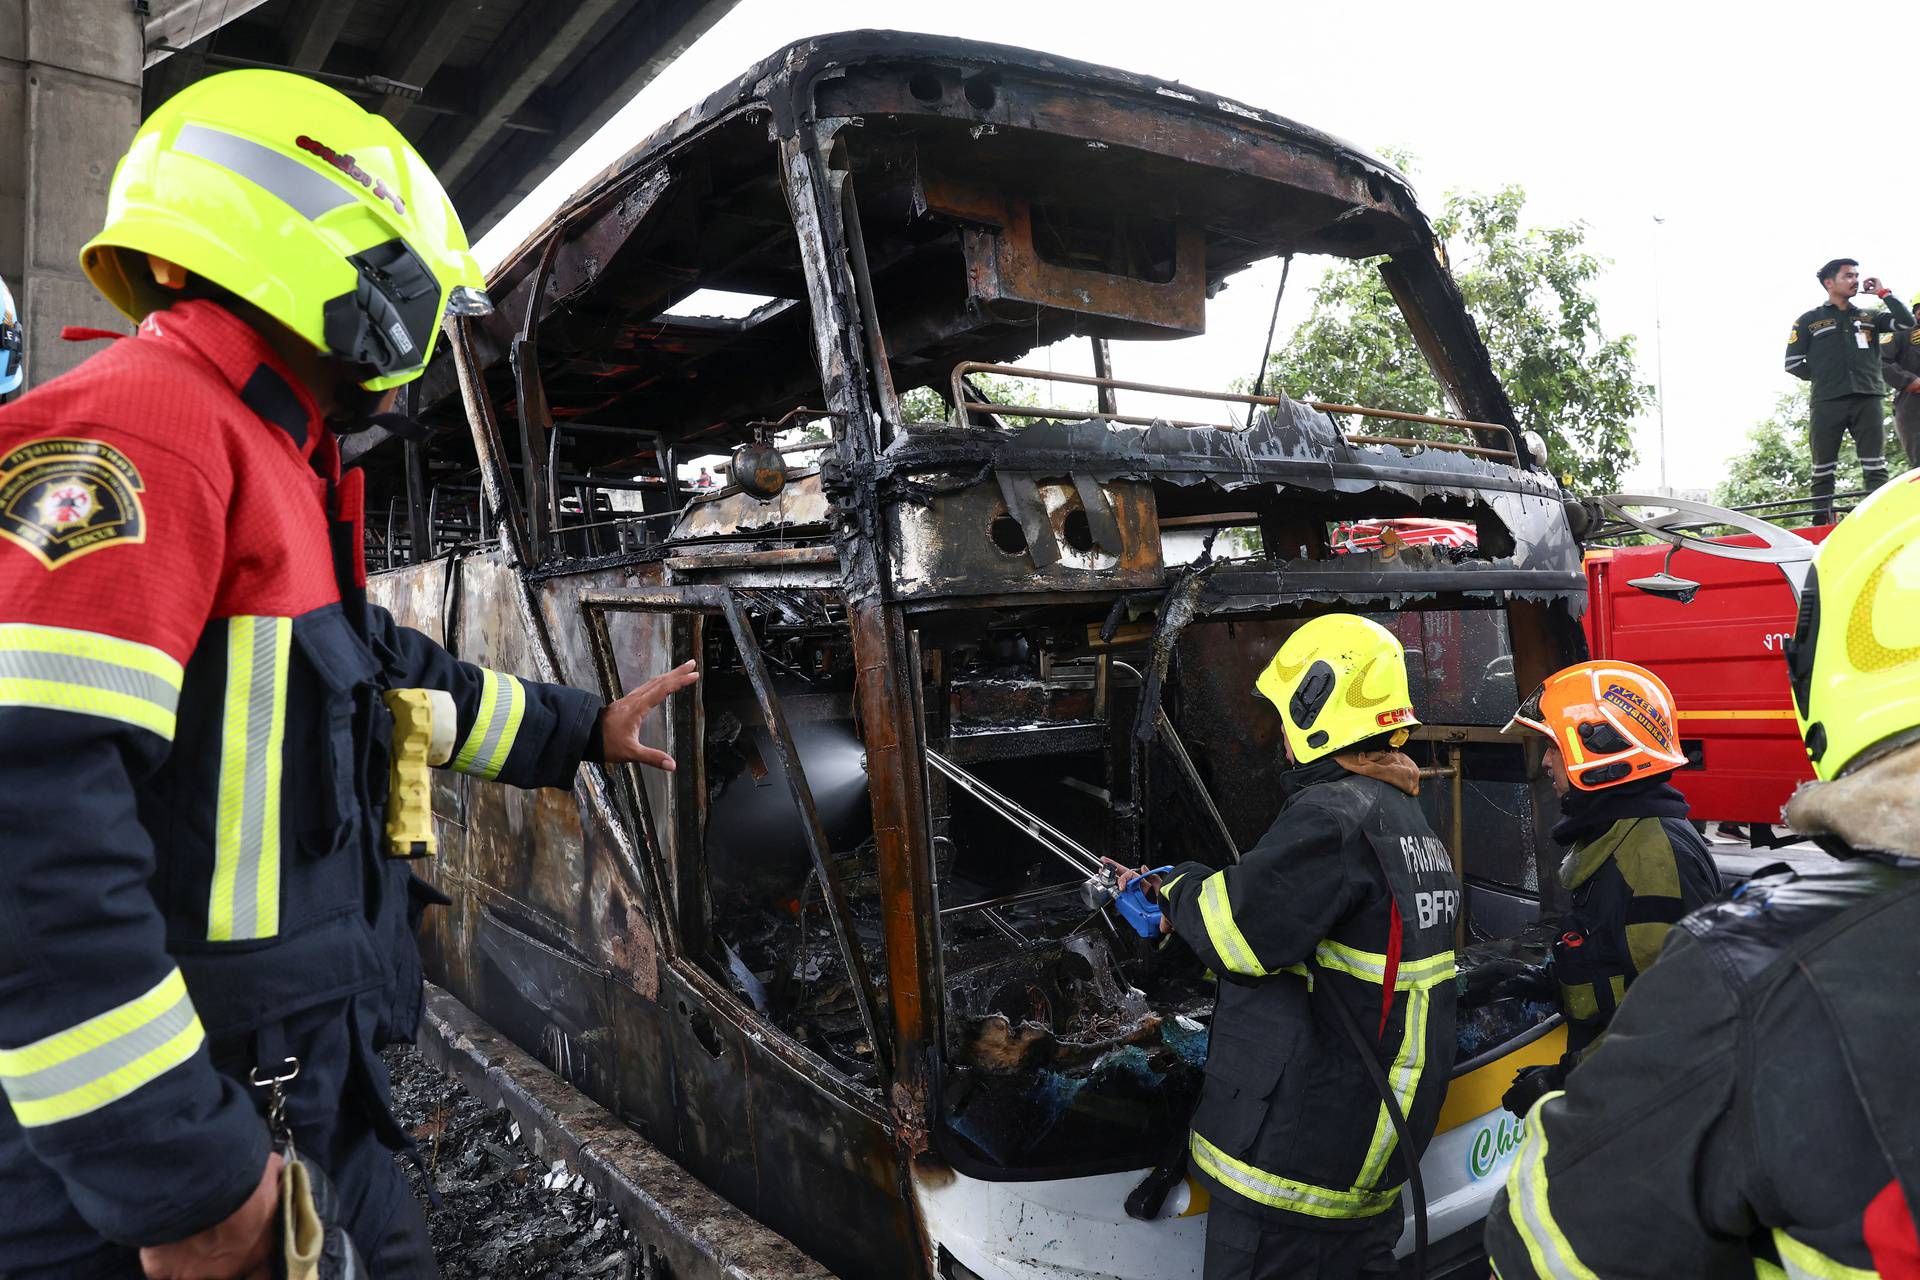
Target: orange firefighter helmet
[{"x": 1613, "y": 722}]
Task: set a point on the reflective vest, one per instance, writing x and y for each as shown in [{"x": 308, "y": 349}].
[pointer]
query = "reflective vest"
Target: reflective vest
[{"x": 1629, "y": 884}]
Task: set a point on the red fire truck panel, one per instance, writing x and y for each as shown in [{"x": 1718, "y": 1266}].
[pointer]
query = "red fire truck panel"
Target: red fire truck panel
[{"x": 1722, "y": 654}]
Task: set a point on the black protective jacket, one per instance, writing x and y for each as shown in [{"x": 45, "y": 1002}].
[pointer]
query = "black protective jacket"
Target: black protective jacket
[
  {"x": 1900, "y": 365},
  {"x": 1634, "y": 866},
  {"x": 1751, "y": 1110},
  {"x": 1351, "y": 897}
]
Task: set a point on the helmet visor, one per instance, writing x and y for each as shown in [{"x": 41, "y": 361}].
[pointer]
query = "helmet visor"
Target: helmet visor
[
  {"x": 1529, "y": 715},
  {"x": 1806, "y": 635},
  {"x": 465, "y": 300}
]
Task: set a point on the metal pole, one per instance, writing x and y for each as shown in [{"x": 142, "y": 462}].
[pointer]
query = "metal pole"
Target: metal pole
[
  {"x": 1103, "y": 368},
  {"x": 1659, "y": 356},
  {"x": 1457, "y": 819},
  {"x": 1049, "y": 837},
  {"x": 1266, "y": 352}
]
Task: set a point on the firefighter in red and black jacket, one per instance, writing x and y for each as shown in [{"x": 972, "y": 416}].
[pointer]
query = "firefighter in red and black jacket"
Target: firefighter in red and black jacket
[{"x": 194, "y": 739}]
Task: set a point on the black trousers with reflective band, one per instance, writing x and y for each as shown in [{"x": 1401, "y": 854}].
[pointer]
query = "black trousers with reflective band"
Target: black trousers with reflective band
[
  {"x": 1246, "y": 1245},
  {"x": 398, "y": 1248},
  {"x": 1856, "y": 416}
]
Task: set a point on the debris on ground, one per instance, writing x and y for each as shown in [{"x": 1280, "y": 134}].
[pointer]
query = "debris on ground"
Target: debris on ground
[{"x": 504, "y": 1213}]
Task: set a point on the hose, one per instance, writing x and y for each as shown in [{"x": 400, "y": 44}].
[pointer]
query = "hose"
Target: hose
[{"x": 1351, "y": 1025}]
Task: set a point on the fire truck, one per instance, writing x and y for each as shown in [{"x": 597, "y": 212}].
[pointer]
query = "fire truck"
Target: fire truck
[
  {"x": 1712, "y": 616},
  {"x": 1717, "y": 636}
]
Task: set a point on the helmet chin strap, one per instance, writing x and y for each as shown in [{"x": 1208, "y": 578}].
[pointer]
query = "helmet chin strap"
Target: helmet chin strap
[
  {"x": 397, "y": 424},
  {"x": 356, "y": 409},
  {"x": 344, "y": 423}
]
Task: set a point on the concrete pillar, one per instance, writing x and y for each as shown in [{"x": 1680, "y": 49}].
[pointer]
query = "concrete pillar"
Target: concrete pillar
[{"x": 69, "y": 102}]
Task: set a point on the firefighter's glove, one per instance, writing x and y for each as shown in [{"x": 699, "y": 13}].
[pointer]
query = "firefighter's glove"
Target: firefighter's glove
[
  {"x": 1532, "y": 1084},
  {"x": 313, "y": 1244},
  {"x": 1501, "y": 979}
]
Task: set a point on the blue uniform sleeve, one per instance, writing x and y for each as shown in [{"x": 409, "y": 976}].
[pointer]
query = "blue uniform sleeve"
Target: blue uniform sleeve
[{"x": 519, "y": 731}]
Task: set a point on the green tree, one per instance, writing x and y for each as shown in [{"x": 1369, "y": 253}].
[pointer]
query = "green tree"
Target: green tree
[
  {"x": 1776, "y": 464},
  {"x": 924, "y": 404},
  {"x": 1530, "y": 291}
]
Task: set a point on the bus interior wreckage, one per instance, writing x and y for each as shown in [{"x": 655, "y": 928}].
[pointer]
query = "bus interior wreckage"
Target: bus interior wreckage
[{"x": 839, "y": 964}]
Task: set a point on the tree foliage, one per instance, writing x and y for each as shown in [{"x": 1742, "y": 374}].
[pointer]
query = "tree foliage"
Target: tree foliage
[
  {"x": 1530, "y": 291},
  {"x": 924, "y": 404},
  {"x": 1776, "y": 463}
]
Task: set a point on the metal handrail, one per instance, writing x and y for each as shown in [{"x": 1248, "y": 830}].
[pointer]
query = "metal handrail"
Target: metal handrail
[
  {"x": 965, "y": 407},
  {"x": 1798, "y": 507}
]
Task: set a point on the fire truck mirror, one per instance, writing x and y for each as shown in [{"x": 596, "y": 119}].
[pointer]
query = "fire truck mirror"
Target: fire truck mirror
[{"x": 1666, "y": 585}]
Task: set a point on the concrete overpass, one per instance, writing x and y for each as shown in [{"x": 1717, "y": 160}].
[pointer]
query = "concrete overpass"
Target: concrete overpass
[{"x": 495, "y": 93}]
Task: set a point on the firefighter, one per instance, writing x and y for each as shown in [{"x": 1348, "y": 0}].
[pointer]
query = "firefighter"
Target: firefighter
[
  {"x": 1900, "y": 366},
  {"x": 13, "y": 345},
  {"x": 193, "y": 735},
  {"x": 1751, "y": 1110},
  {"x": 1634, "y": 864},
  {"x": 1836, "y": 347},
  {"x": 1348, "y": 897}
]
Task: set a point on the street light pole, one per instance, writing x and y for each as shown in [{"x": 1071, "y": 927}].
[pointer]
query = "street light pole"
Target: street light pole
[{"x": 1659, "y": 355}]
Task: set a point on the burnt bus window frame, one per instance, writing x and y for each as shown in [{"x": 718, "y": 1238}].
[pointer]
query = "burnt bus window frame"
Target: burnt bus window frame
[
  {"x": 1443, "y": 625},
  {"x": 491, "y": 380},
  {"x": 681, "y": 888}
]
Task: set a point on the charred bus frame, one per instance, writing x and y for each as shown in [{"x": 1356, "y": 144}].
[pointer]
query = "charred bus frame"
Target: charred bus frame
[{"x": 903, "y": 212}]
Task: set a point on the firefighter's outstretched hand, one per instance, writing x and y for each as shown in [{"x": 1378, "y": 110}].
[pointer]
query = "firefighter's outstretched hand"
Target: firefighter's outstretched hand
[
  {"x": 620, "y": 722},
  {"x": 240, "y": 1248}
]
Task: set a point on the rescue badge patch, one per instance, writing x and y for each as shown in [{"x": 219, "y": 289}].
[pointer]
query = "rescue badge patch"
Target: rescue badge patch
[
  {"x": 62, "y": 498},
  {"x": 1637, "y": 709}
]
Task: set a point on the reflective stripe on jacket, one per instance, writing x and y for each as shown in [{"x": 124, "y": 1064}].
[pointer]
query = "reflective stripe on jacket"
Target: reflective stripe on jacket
[
  {"x": 193, "y": 765},
  {"x": 1740, "y": 1117},
  {"x": 1629, "y": 885},
  {"x": 1347, "y": 886}
]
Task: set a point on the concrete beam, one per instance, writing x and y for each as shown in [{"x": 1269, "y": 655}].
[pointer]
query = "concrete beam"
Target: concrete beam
[
  {"x": 181, "y": 22},
  {"x": 312, "y": 27},
  {"x": 695, "y": 1233},
  {"x": 532, "y": 47},
  {"x": 69, "y": 102},
  {"x": 418, "y": 46},
  {"x": 604, "y": 84}
]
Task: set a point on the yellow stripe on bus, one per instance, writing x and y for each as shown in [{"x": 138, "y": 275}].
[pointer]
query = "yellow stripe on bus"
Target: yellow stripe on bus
[{"x": 1474, "y": 1094}]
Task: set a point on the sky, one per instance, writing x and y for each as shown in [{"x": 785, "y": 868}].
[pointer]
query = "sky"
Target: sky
[{"x": 1766, "y": 142}]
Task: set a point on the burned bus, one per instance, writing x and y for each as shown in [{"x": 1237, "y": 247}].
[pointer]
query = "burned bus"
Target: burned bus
[{"x": 840, "y": 965}]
